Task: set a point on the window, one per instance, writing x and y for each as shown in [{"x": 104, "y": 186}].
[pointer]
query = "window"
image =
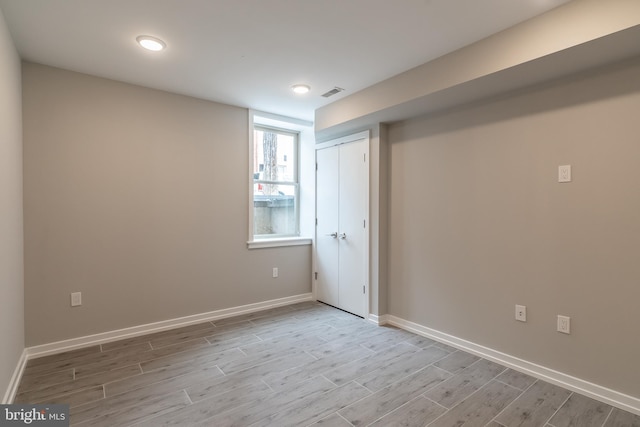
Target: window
[{"x": 275, "y": 183}]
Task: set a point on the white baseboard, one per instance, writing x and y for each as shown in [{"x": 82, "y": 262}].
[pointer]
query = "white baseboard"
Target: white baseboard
[
  {"x": 12, "y": 389},
  {"x": 104, "y": 337},
  {"x": 595, "y": 391},
  {"x": 378, "y": 320}
]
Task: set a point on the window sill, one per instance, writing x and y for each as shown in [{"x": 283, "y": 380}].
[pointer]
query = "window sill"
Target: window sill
[{"x": 280, "y": 242}]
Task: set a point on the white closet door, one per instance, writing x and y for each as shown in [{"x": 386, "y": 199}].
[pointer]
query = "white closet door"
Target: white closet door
[
  {"x": 351, "y": 233},
  {"x": 341, "y": 211},
  {"x": 327, "y": 202}
]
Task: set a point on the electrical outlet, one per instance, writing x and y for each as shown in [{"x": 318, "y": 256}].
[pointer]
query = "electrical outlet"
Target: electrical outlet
[
  {"x": 275, "y": 271},
  {"x": 521, "y": 313},
  {"x": 76, "y": 299},
  {"x": 564, "y": 324},
  {"x": 564, "y": 173}
]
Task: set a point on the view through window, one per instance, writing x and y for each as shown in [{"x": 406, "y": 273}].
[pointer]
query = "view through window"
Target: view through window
[{"x": 275, "y": 183}]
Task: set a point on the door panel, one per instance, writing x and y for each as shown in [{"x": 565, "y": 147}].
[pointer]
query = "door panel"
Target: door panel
[
  {"x": 352, "y": 232},
  {"x": 327, "y": 246}
]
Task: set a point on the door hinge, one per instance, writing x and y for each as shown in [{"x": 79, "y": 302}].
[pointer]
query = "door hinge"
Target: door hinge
[
  {"x": 316, "y": 221},
  {"x": 364, "y": 157},
  {"x": 363, "y": 291},
  {"x": 364, "y": 223},
  {"x": 316, "y": 166},
  {"x": 316, "y": 275}
]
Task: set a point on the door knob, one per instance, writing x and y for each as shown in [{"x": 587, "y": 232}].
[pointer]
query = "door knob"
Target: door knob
[
  {"x": 343, "y": 236},
  {"x": 334, "y": 235}
]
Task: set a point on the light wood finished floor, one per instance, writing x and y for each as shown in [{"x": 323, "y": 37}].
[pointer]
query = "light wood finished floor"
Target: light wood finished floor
[{"x": 300, "y": 365}]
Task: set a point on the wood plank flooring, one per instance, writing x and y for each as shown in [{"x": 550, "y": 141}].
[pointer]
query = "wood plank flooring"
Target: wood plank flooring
[{"x": 302, "y": 365}]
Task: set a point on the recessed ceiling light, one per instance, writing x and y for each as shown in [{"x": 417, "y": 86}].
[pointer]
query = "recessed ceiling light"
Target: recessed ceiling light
[
  {"x": 151, "y": 43},
  {"x": 301, "y": 88}
]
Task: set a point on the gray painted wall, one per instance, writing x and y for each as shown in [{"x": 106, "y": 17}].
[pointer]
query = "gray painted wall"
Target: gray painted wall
[
  {"x": 479, "y": 223},
  {"x": 11, "y": 239},
  {"x": 138, "y": 199}
]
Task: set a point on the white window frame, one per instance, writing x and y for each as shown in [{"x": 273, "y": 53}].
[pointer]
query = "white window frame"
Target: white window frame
[{"x": 283, "y": 125}]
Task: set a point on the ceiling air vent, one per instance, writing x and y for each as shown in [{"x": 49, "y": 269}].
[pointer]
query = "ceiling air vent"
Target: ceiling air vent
[{"x": 332, "y": 92}]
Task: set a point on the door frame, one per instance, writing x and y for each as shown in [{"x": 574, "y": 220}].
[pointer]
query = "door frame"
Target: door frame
[{"x": 366, "y": 136}]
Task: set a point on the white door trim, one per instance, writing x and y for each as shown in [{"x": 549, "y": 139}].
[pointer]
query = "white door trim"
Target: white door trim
[{"x": 366, "y": 136}]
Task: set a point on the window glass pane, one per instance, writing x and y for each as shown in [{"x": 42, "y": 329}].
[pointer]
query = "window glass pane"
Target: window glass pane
[
  {"x": 274, "y": 156},
  {"x": 274, "y": 209}
]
